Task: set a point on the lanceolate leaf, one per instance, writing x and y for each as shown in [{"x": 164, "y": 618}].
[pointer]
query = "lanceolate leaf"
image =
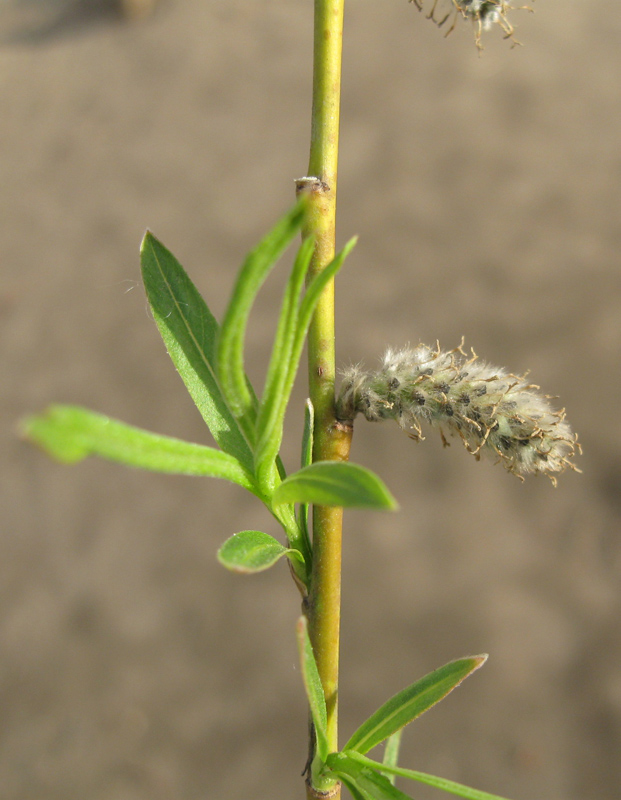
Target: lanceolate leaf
[
  {"x": 379, "y": 787},
  {"x": 311, "y": 298},
  {"x": 231, "y": 342},
  {"x": 314, "y": 689},
  {"x": 253, "y": 551},
  {"x": 354, "y": 790},
  {"x": 271, "y": 413},
  {"x": 363, "y": 779},
  {"x": 275, "y": 403},
  {"x": 307, "y": 434},
  {"x": 337, "y": 760},
  {"x": 307, "y": 460},
  {"x": 335, "y": 483},
  {"x": 411, "y": 702},
  {"x": 70, "y": 434},
  {"x": 189, "y": 331},
  {"x": 391, "y": 752}
]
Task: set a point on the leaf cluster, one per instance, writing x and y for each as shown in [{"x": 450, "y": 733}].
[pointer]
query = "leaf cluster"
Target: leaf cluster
[
  {"x": 246, "y": 426},
  {"x": 365, "y": 778}
]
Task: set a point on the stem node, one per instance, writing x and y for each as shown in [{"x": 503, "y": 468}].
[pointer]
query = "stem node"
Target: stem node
[
  {"x": 316, "y": 794},
  {"x": 311, "y": 185}
]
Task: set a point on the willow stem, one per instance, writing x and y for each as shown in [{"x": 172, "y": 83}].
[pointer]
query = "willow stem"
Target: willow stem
[{"x": 331, "y": 440}]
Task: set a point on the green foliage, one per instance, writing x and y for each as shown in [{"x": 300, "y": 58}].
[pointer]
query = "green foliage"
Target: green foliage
[
  {"x": 335, "y": 483},
  {"x": 362, "y": 780},
  {"x": 247, "y": 430},
  {"x": 254, "y": 551},
  {"x": 275, "y": 399},
  {"x": 314, "y": 689},
  {"x": 391, "y": 752},
  {"x": 253, "y": 273},
  {"x": 70, "y": 433},
  {"x": 366, "y": 776},
  {"x": 306, "y": 460},
  {"x": 411, "y": 702},
  {"x": 190, "y": 332},
  {"x": 287, "y": 351}
]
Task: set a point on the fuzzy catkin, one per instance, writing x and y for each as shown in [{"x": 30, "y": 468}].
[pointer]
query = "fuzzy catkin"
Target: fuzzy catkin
[
  {"x": 485, "y": 12},
  {"x": 482, "y": 13},
  {"x": 489, "y": 409}
]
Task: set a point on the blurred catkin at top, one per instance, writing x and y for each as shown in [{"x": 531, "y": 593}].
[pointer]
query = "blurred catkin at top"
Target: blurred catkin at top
[
  {"x": 489, "y": 409},
  {"x": 482, "y": 13}
]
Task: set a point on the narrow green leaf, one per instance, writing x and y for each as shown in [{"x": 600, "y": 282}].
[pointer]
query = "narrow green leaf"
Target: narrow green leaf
[
  {"x": 391, "y": 752},
  {"x": 253, "y": 551},
  {"x": 307, "y": 434},
  {"x": 307, "y": 308},
  {"x": 314, "y": 689},
  {"x": 273, "y": 402},
  {"x": 306, "y": 461},
  {"x": 335, "y": 483},
  {"x": 422, "y": 777},
  {"x": 354, "y": 790},
  {"x": 363, "y": 778},
  {"x": 310, "y": 300},
  {"x": 288, "y": 366},
  {"x": 380, "y": 788},
  {"x": 254, "y": 271},
  {"x": 71, "y": 433},
  {"x": 189, "y": 331},
  {"x": 285, "y": 515},
  {"x": 411, "y": 702}
]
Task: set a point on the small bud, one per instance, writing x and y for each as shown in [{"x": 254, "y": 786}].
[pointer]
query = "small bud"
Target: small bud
[{"x": 489, "y": 409}]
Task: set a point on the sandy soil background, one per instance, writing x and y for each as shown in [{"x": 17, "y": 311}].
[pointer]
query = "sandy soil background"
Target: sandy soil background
[{"x": 486, "y": 192}]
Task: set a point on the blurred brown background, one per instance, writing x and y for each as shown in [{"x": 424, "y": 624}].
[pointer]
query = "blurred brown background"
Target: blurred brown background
[{"x": 486, "y": 192}]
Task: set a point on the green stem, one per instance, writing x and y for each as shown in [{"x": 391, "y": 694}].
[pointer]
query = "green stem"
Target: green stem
[{"x": 331, "y": 440}]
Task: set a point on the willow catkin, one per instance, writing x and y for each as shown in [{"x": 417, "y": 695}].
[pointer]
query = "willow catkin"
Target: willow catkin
[
  {"x": 489, "y": 409},
  {"x": 482, "y": 13}
]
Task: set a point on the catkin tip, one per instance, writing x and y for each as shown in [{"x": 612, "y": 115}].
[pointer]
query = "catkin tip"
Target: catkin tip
[{"x": 490, "y": 410}]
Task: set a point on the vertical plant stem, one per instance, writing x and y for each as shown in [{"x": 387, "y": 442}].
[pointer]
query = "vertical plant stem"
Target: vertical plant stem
[{"x": 331, "y": 440}]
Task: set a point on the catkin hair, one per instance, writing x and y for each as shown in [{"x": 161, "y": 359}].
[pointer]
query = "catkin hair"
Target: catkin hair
[{"x": 489, "y": 409}]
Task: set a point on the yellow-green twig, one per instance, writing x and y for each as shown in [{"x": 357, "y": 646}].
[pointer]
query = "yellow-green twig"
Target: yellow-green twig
[{"x": 331, "y": 440}]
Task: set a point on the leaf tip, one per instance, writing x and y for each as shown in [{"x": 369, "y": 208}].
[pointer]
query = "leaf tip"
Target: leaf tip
[
  {"x": 351, "y": 243},
  {"x": 23, "y": 427},
  {"x": 301, "y": 626},
  {"x": 27, "y": 428},
  {"x": 147, "y": 239},
  {"x": 51, "y": 431},
  {"x": 392, "y": 503}
]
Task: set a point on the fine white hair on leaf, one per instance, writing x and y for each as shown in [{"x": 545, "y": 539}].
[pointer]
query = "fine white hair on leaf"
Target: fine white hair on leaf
[{"x": 491, "y": 410}]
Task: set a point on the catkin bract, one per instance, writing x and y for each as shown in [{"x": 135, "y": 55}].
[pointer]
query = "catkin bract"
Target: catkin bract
[{"x": 489, "y": 409}]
